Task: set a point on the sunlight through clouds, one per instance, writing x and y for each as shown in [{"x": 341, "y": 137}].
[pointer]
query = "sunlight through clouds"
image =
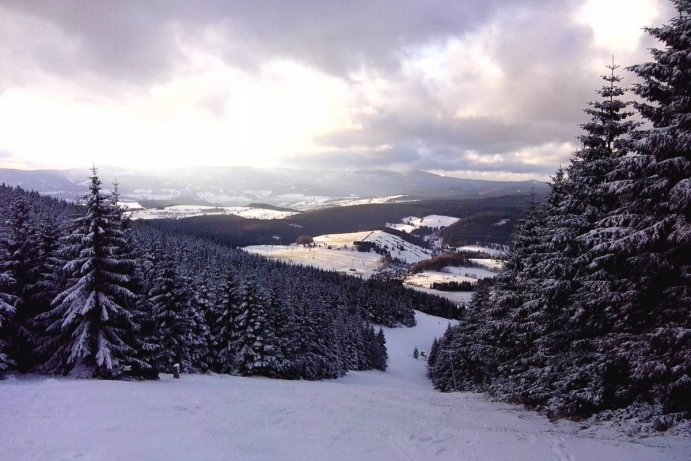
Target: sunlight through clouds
[
  {"x": 617, "y": 25},
  {"x": 312, "y": 84}
]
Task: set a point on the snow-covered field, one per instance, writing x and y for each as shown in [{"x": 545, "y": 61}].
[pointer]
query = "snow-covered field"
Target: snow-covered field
[
  {"x": 398, "y": 248},
  {"x": 189, "y": 211},
  {"x": 490, "y": 251},
  {"x": 341, "y": 257},
  {"x": 458, "y": 297},
  {"x": 427, "y": 278},
  {"x": 472, "y": 272},
  {"x": 364, "y": 416},
  {"x": 315, "y": 202},
  {"x": 492, "y": 264},
  {"x": 349, "y": 261},
  {"x": 340, "y": 240},
  {"x": 411, "y": 223}
]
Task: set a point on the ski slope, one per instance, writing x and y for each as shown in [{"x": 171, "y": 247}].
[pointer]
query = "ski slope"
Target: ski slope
[
  {"x": 398, "y": 248},
  {"x": 337, "y": 252},
  {"x": 348, "y": 261},
  {"x": 364, "y": 416}
]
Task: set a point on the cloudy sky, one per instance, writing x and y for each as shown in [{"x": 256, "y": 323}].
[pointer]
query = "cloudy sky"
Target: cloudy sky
[{"x": 490, "y": 89}]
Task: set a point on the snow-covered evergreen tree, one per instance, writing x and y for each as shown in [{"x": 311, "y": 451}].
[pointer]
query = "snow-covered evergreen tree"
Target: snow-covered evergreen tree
[
  {"x": 6, "y": 312},
  {"x": 226, "y": 336},
  {"x": 595, "y": 314},
  {"x": 174, "y": 329},
  {"x": 90, "y": 324},
  {"x": 22, "y": 246},
  {"x": 652, "y": 328},
  {"x": 258, "y": 353}
]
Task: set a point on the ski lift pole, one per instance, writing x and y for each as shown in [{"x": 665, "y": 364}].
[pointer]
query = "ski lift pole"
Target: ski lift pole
[{"x": 453, "y": 371}]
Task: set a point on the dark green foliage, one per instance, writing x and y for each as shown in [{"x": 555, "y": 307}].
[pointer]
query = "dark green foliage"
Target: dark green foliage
[
  {"x": 591, "y": 312},
  {"x": 258, "y": 351},
  {"x": 90, "y": 326},
  {"x": 479, "y": 217}
]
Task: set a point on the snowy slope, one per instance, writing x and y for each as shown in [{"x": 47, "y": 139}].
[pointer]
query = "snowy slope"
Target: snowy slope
[
  {"x": 427, "y": 278},
  {"x": 490, "y": 251},
  {"x": 338, "y": 259},
  {"x": 364, "y": 416},
  {"x": 492, "y": 264},
  {"x": 434, "y": 221},
  {"x": 336, "y": 252},
  {"x": 188, "y": 211},
  {"x": 398, "y": 248},
  {"x": 472, "y": 272}
]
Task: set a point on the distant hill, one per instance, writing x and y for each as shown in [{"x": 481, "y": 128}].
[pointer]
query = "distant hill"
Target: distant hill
[
  {"x": 278, "y": 187},
  {"x": 478, "y": 223}
]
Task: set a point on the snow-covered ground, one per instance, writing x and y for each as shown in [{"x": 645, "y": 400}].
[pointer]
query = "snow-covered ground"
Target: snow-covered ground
[
  {"x": 188, "y": 211},
  {"x": 341, "y": 260},
  {"x": 314, "y": 202},
  {"x": 410, "y": 223},
  {"x": 395, "y": 415},
  {"x": 427, "y": 278},
  {"x": 458, "y": 297},
  {"x": 340, "y": 240},
  {"x": 490, "y": 251},
  {"x": 398, "y": 248},
  {"x": 492, "y": 264},
  {"x": 472, "y": 272},
  {"x": 335, "y": 252}
]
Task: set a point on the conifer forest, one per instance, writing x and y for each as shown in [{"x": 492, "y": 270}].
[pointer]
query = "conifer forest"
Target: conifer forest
[
  {"x": 585, "y": 317},
  {"x": 592, "y": 312}
]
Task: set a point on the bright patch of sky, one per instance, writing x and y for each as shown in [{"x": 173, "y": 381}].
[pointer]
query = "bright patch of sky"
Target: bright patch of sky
[{"x": 480, "y": 89}]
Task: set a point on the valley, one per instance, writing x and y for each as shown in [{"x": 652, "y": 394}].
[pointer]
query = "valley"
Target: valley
[{"x": 379, "y": 253}]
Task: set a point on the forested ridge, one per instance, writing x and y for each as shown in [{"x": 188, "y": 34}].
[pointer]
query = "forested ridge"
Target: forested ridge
[
  {"x": 478, "y": 223},
  {"x": 86, "y": 292},
  {"x": 591, "y": 313}
]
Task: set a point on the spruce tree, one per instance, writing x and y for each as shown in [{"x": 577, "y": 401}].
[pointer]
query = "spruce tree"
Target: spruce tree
[
  {"x": 91, "y": 322},
  {"x": 655, "y": 216},
  {"x": 22, "y": 245},
  {"x": 258, "y": 353},
  {"x": 225, "y": 334},
  {"x": 6, "y": 312},
  {"x": 174, "y": 330}
]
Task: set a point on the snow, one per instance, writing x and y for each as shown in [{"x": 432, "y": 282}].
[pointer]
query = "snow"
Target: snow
[
  {"x": 458, "y": 297},
  {"x": 407, "y": 228},
  {"x": 131, "y": 206},
  {"x": 364, "y": 416},
  {"x": 437, "y": 221},
  {"x": 188, "y": 211},
  {"x": 472, "y": 272},
  {"x": 341, "y": 240},
  {"x": 410, "y": 223},
  {"x": 487, "y": 250},
  {"x": 398, "y": 248},
  {"x": 427, "y": 278},
  {"x": 341, "y": 256},
  {"x": 492, "y": 264},
  {"x": 315, "y": 202},
  {"x": 348, "y": 261}
]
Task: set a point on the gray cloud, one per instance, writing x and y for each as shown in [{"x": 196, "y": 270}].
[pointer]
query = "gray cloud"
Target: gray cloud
[
  {"x": 539, "y": 49},
  {"x": 139, "y": 40}
]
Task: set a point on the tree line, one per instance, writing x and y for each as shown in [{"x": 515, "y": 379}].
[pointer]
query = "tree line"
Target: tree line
[
  {"x": 85, "y": 292},
  {"x": 592, "y": 310}
]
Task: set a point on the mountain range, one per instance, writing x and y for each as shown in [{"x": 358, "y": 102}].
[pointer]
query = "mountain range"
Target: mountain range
[{"x": 285, "y": 187}]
